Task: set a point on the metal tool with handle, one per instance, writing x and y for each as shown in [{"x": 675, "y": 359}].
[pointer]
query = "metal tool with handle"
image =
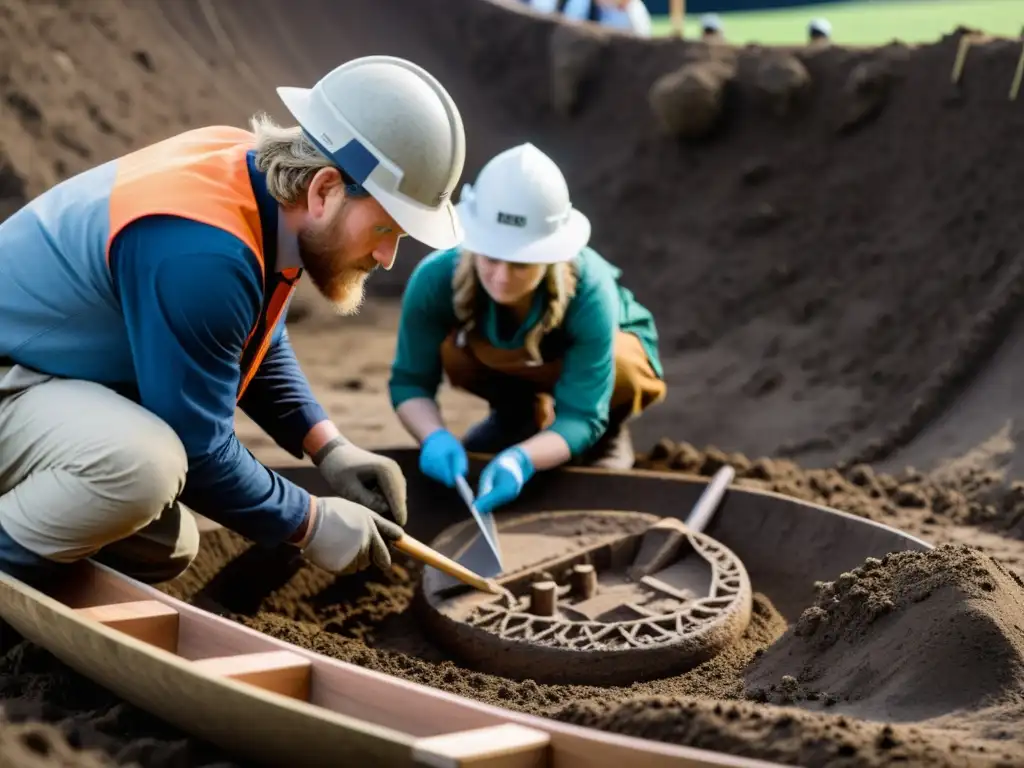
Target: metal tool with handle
[
  {"x": 709, "y": 500},
  {"x": 488, "y": 530},
  {"x": 423, "y": 553}
]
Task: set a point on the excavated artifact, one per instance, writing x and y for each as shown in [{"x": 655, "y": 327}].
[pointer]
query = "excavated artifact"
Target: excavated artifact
[{"x": 593, "y": 597}]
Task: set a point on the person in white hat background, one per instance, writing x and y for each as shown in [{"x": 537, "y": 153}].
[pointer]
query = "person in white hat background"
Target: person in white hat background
[
  {"x": 627, "y": 15},
  {"x": 527, "y": 316},
  {"x": 144, "y": 300},
  {"x": 711, "y": 29},
  {"x": 819, "y": 31}
]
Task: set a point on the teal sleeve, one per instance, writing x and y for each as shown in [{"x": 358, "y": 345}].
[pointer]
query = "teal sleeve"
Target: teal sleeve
[
  {"x": 426, "y": 319},
  {"x": 584, "y": 390}
]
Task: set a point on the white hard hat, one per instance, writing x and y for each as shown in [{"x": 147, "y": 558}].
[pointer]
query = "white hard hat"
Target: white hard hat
[
  {"x": 711, "y": 22},
  {"x": 821, "y": 26},
  {"x": 519, "y": 210},
  {"x": 394, "y": 129}
]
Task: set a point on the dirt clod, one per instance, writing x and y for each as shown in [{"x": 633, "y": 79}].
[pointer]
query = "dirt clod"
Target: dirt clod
[
  {"x": 689, "y": 102},
  {"x": 783, "y": 82}
]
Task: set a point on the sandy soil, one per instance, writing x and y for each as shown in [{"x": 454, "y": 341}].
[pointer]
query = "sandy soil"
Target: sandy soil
[{"x": 831, "y": 242}]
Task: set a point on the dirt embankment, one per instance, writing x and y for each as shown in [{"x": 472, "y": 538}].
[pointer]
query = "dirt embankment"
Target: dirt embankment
[
  {"x": 830, "y": 264},
  {"x": 971, "y": 505},
  {"x": 829, "y": 238}
]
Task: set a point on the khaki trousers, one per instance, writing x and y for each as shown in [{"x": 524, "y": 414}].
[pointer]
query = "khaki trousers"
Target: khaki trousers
[{"x": 85, "y": 472}]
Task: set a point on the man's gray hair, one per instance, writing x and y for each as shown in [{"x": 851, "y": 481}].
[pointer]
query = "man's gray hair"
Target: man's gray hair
[{"x": 287, "y": 157}]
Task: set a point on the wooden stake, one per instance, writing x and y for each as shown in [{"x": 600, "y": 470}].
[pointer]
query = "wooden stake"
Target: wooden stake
[
  {"x": 584, "y": 581},
  {"x": 1018, "y": 75},
  {"x": 677, "y": 15},
  {"x": 961, "y": 58},
  {"x": 543, "y": 595}
]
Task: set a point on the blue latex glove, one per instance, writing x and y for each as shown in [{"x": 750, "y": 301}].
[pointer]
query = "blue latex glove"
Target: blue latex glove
[
  {"x": 503, "y": 479},
  {"x": 442, "y": 457}
]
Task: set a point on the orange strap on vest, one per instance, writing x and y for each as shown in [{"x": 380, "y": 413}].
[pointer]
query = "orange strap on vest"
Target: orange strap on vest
[{"x": 203, "y": 175}]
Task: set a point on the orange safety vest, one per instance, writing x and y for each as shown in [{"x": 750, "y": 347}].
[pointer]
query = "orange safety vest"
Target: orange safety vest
[{"x": 203, "y": 175}]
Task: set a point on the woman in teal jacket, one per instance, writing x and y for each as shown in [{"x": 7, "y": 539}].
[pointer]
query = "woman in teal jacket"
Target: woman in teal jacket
[{"x": 524, "y": 315}]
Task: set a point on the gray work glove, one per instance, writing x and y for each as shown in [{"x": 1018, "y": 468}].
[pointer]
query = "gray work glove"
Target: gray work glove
[
  {"x": 347, "y": 537},
  {"x": 367, "y": 478}
]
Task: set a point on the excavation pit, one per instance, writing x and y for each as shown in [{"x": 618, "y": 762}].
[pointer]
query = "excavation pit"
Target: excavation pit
[{"x": 593, "y": 597}]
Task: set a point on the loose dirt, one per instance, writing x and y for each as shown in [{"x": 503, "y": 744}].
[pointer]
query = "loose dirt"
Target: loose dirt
[
  {"x": 831, "y": 243},
  {"x": 870, "y": 674}
]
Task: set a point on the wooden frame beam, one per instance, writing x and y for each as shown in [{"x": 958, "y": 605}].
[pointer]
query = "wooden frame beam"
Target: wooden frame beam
[
  {"x": 150, "y": 621},
  {"x": 281, "y": 672}
]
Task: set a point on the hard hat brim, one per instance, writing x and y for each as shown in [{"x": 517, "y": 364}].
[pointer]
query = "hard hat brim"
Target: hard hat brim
[
  {"x": 436, "y": 227},
  {"x": 504, "y": 244}
]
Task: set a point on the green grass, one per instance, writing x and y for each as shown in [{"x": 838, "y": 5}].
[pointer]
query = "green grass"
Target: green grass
[{"x": 868, "y": 22}]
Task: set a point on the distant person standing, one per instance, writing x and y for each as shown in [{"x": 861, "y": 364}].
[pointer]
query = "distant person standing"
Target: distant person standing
[{"x": 629, "y": 15}]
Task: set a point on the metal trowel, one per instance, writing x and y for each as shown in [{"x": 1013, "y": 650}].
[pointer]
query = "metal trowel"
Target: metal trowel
[{"x": 485, "y": 561}]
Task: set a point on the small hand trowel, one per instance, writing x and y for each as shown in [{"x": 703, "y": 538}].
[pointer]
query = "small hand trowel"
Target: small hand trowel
[
  {"x": 433, "y": 558},
  {"x": 485, "y": 561}
]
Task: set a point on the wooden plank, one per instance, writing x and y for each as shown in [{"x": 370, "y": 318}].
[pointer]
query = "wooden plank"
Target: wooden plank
[
  {"x": 500, "y": 746},
  {"x": 242, "y": 719},
  {"x": 418, "y": 710},
  {"x": 150, "y": 621},
  {"x": 281, "y": 672}
]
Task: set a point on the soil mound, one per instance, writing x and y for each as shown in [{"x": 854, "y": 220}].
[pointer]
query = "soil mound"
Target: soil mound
[
  {"x": 834, "y": 262},
  {"x": 36, "y": 745},
  {"x": 783, "y": 735},
  {"x": 81, "y": 84},
  {"x": 912, "y": 636}
]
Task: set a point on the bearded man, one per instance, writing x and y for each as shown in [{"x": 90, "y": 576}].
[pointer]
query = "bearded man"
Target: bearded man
[{"x": 141, "y": 301}]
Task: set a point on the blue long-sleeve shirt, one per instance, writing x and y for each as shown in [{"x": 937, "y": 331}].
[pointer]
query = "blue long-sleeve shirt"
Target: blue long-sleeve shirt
[
  {"x": 161, "y": 317},
  {"x": 189, "y": 293}
]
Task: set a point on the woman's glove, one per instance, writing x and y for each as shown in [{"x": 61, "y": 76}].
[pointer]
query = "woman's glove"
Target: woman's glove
[
  {"x": 503, "y": 479},
  {"x": 442, "y": 457}
]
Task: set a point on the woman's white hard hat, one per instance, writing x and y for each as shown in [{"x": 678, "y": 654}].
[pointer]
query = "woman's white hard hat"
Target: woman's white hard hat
[
  {"x": 396, "y": 131},
  {"x": 519, "y": 210}
]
